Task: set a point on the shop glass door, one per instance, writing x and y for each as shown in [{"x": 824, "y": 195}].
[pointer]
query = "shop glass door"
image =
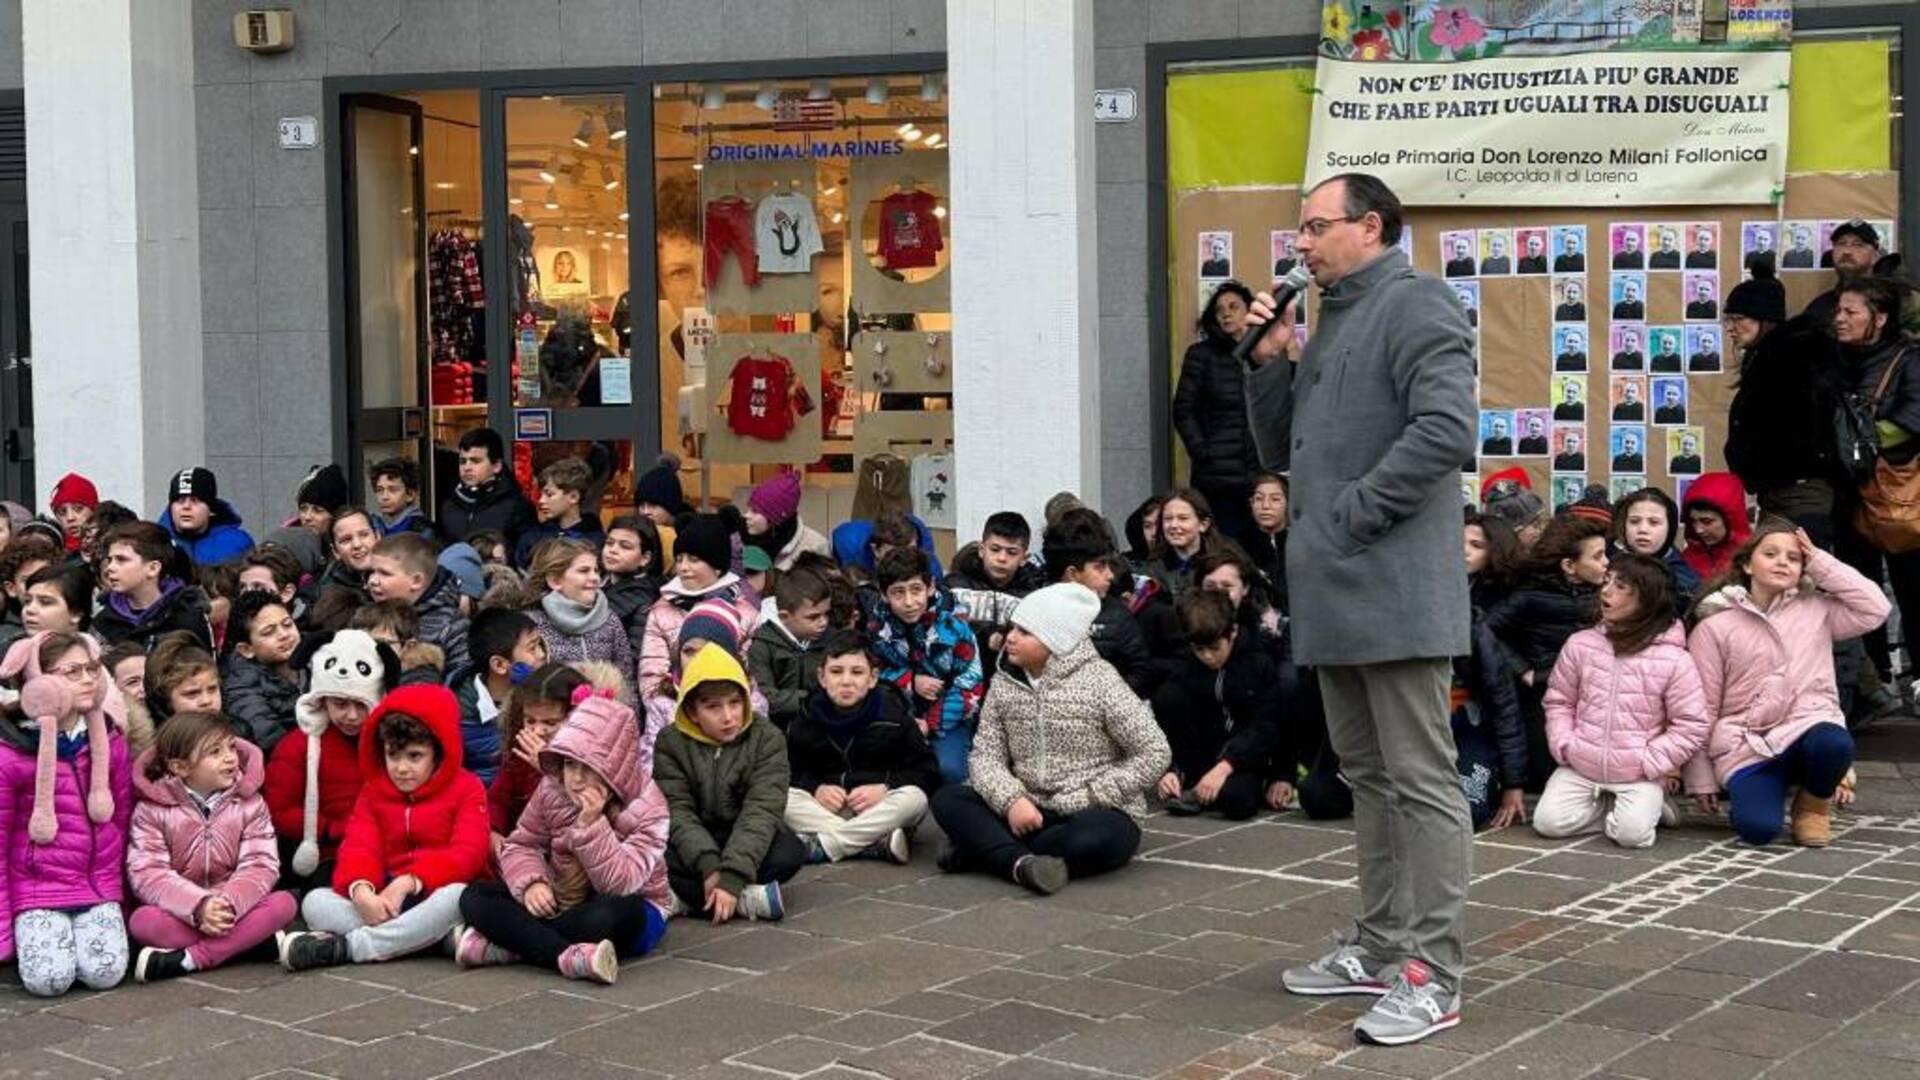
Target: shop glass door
[{"x": 386, "y": 234}]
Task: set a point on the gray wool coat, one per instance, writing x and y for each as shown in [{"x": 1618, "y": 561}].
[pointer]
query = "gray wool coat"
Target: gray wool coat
[{"x": 1373, "y": 424}]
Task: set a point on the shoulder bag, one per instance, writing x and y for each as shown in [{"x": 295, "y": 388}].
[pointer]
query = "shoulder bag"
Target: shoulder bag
[{"x": 1889, "y": 512}]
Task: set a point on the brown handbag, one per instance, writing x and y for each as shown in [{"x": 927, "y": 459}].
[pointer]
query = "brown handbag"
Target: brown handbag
[{"x": 1889, "y": 513}]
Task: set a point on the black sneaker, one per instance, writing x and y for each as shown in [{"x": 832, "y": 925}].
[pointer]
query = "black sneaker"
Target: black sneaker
[
  {"x": 312, "y": 949},
  {"x": 1184, "y": 805},
  {"x": 157, "y": 964},
  {"x": 1044, "y": 874}
]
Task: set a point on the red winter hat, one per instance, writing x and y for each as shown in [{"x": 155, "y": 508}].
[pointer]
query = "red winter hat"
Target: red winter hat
[
  {"x": 74, "y": 488},
  {"x": 1516, "y": 474},
  {"x": 777, "y": 498}
]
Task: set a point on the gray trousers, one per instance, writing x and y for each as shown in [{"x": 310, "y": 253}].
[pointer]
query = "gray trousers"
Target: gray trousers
[
  {"x": 419, "y": 927},
  {"x": 1389, "y": 724}
]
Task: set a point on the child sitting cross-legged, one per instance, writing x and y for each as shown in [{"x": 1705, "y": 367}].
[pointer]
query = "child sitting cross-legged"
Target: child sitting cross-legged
[
  {"x": 1624, "y": 712},
  {"x": 725, "y": 775},
  {"x": 417, "y": 837},
  {"x": 1220, "y": 712},
  {"x": 926, "y": 650},
  {"x": 584, "y": 875},
  {"x": 861, "y": 768},
  {"x": 66, "y": 799},
  {"x": 1063, "y": 758},
  {"x": 202, "y": 855}
]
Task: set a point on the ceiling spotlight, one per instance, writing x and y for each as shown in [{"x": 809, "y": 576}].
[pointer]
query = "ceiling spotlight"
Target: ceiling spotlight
[
  {"x": 516, "y": 200},
  {"x": 547, "y": 170},
  {"x": 768, "y": 94},
  {"x": 714, "y": 98},
  {"x": 607, "y": 179},
  {"x": 913, "y": 134},
  {"x": 940, "y": 212},
  {"x": 903, "y": 128},
  {"x": 593, "y": 232},
  {"x": 583, "y": 137},
  {"x": 616, "y": 124},
  {"x": 838, "y": 217},
  {"x": 931, "y": 86},
  {"x": 876, "y": 91},
  {"x": 829, "y": 189},
  {"x": 697, "y": 166},
  {"x": 414, "y": 150},
  {"x": 934, "y": 140},
  {"x": 623, "y": 215},
  {"x": 821, "y": 90},
  {"x": 553, "y": 201}
]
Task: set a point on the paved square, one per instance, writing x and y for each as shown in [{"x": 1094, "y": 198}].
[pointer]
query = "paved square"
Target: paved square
[{"x": 1695, "y": 960}]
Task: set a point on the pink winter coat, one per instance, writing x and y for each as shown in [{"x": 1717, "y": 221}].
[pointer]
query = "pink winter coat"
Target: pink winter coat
[
  {"x": 668, "y": 612},
  {"x": 1768, "y": 675},
  {"x": 178, "y": 856},
  {"x": 81, "y": 865},
  {"x": 1625, "y": 719},
  {"x": 623, "y": 851}
]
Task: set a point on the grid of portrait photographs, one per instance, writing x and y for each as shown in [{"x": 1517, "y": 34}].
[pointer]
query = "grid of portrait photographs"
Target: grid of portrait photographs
[
  {"x": 1659, "y": 286},
  {"x": 1802, "y": 245}
]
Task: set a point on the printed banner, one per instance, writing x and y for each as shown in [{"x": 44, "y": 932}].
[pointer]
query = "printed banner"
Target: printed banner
[{"x": 1575, "y": 103}]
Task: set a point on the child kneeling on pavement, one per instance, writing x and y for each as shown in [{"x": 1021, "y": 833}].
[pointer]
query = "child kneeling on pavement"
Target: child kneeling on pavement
[
  {"x": 418, "y": 835},
  {"x": 585, "y": 871},
  {"x": 1062, "y": 760},
  {"x": 725, "y": 776},
  {"x": 861, "y": 767},
  {"x": 1220, "y": 712}
]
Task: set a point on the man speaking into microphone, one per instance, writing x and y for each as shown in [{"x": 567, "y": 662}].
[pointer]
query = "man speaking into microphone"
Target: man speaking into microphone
[{"x": 1373, "y": 419}]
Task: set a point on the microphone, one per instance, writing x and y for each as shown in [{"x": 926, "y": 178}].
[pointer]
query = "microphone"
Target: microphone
[{"x": 1284, "y": 293}]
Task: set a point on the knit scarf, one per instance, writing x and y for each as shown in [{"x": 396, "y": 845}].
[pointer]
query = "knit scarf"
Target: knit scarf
[
  {"x": 842, "y": 724},
  {"x": 573, "y": 618}
]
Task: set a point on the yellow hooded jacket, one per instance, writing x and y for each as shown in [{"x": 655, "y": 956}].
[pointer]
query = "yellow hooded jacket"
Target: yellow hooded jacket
[{"x": 727, "y": 799}]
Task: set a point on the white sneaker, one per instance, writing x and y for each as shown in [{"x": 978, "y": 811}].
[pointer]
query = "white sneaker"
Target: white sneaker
[{"x": 762, "y": 902}]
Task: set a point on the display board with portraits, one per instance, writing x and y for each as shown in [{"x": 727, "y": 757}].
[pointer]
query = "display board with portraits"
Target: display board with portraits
[{"x": 1598, "y": 340}]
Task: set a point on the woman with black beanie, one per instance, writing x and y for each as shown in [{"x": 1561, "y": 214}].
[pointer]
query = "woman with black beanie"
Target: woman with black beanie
[
  {"x": 1780, "y": 425},
  {"x": 1210, "y": 412}
]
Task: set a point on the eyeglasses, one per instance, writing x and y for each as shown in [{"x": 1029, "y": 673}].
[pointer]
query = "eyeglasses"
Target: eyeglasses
[
  {"x": 1317, "y": 227},
  {"x": 83, "y": 671}
]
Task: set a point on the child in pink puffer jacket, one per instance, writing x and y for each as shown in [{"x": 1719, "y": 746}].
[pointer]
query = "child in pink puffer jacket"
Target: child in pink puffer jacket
[
  {"x": 64, "y": 804},
  {"x": 584, "y": 874},
  {"x": 203, "y": 858},
  {"x": 1624, "y": 712},
  {"x": 1763, "y": 644}
]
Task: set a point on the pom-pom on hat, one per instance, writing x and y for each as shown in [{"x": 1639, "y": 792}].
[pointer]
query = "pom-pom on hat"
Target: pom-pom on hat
[
  {"x": 715, "y": 621},
  {"x": 325, "y": 486},
  {"x": 706, "y": 537}
]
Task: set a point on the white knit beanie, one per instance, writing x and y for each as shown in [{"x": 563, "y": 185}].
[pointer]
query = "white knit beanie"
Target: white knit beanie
[
  {"x": 347, "y": 667},
  {"x": 1061, "y": 616}
]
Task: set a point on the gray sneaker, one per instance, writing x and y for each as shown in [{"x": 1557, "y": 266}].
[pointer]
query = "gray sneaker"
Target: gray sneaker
[
  {"x": 1348, "y": 969},
  {"x": 1415, "y": 1008}
]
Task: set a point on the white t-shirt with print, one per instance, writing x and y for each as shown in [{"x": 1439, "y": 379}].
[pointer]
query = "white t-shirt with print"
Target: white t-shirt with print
[{"x": 786, "y": 234}]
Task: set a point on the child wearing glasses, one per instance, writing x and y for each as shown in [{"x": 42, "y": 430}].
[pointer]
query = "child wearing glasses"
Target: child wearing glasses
[{"x": 66, "y": 796}]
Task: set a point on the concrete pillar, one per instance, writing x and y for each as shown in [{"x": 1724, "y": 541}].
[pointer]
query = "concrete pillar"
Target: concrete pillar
[
  {"x": 114, "y": 230},
  {"x": 1026, "y": 380}
]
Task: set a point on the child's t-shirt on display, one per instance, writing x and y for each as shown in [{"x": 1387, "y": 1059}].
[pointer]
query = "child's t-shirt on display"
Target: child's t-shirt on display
[
  {"x": 909, "y": 231},
  {"x": 765, "y": 398},
  {"x": 787, "y": 233}
]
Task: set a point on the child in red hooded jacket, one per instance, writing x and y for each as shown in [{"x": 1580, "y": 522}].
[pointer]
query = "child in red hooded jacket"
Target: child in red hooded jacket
[
  {"x": 418, "y": 835},
  {"x": 1715, "y": 512}
]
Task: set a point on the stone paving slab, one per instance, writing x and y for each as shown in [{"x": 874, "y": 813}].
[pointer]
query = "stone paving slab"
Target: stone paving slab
[{"x": 1695, "y": 959}]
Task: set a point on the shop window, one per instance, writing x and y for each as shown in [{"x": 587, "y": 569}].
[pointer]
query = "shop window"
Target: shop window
[
  {"x": 802, "y": 249},
  {"x": 567, "y": 216}
]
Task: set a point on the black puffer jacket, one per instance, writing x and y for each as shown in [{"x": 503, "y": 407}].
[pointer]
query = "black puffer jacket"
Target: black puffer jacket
[
  {"x": 887, "y": 748},
  {"x": 1484, "y": 677},
  {"x": 1780, "y": 424},
  {"x": 498, "y": 505},
  {"x": 1117, "y": 637},
  {"x": 1537, "y": 620},
  {"x": 1210, "y": 413},
  {"x": 258, "y": 702},
  {"x": 630, "y": 597}
]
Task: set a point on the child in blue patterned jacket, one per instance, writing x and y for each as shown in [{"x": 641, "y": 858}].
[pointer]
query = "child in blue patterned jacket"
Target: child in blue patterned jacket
[{"x": 928, "y": 652}]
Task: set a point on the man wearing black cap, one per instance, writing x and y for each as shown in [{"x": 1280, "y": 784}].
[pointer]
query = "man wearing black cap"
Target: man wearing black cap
[
  {"x": 201, "y": 523},
  {"x": 1856, "y": 248}
]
